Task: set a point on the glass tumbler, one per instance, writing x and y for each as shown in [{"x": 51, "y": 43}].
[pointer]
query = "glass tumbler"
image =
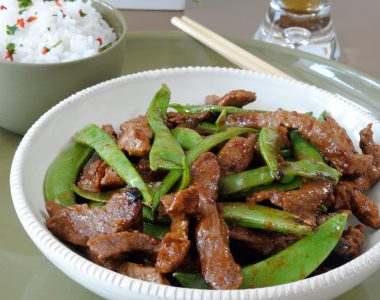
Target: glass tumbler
[{"x": 301, "y": 24}]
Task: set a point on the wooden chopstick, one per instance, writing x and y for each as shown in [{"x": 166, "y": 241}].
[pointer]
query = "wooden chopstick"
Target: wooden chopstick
[{"x": 224, "y": 47}]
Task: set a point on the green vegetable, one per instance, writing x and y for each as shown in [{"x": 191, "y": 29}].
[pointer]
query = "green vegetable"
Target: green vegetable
[
  {"x": 63, "y": 172},
  {"x": 170, "y": 179},
  {"x": 245, "y": 181},
  {"x": 24, "y": 3},
  {"x": 253, "y": 215},
  {"x": 293, "y": 263},
  {"x": 165, "y": 153},
  {"x": 285, "y": 153},
  {"x": 108, "y": 150},
  {"x": 93, "y": 204},
  {"x": 186, "y": 137},
  {"x": 295, "y": 183},
  {"x": 323, "y": 116},
  {"x": 297, "y": 261},
  {"x": 11, "y": 30},
  {"x": 101, "y": 197},
  {"x": 155, "y": 230},
  {"x": 200, "y": 109},
  {"x": 303, "y": 149},
  {"x": 105, "y": 47},
  {"x": 211, "y": 128},
  {"x": 311, "y": 169},
  {"x": 191, "y": 280},
  {"x": 270, "y": 142}
]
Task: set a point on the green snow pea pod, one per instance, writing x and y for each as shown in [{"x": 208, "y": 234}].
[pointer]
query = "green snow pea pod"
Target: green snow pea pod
[
  {"x": 270, "y": 142},
  {"x": 257, "y": 216},
  {"x": 303, "y": 149},
  {"x": 200, "y": 109},
  {"x": 186, "y": 137},
  {"x": 297, "y": 261},
  {"x": 156, "y": 230},
  {"x": 63, "y": 173},
  {"x": 294, "y": 184},
  {"x": 108, "y": 150},
  {"x": 101, "y": 197},
  {"x": 191, "y": 280},
  {"x": 165, "y": 153}
]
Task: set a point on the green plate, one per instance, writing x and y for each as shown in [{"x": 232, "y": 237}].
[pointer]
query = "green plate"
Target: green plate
[{"x": 26, "y": 274}]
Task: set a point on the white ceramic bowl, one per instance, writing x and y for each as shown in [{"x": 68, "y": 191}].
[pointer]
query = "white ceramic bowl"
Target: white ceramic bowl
[{"x": 122, "y": 98}]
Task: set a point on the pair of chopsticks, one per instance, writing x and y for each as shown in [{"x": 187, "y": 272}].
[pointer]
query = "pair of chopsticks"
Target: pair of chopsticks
[{"x": 224, "y": 47}]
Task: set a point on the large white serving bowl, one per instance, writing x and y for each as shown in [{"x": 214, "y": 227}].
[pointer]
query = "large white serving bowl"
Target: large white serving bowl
[{"x": 117, "y": 100}]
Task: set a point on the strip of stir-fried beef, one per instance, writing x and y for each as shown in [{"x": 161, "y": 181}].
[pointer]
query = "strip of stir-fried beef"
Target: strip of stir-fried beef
[
  {"x": 142, "y": 272},
  {"x": 135, "y": 136},
  {"x": 108, "y": 128},
  {"x": 174, "y": 119},
  {"x": 331, "y": 139},
  {"x": 175, "y": 244},
  {"x": 351, "y": 242},
  {"x": 143, "y": 167},
  {"x": 237, "y": 98},
  {"x": 98, "y": 175},
  {"x": 78, "y": 223},
  {"x": 304, "y": 202},
  {"x": 219, "y": 269},
  {"x": 236, "y": 155},
  {"x": 115, "y": 246},
  {"x": 265, "y": 242},
  {"x": 349, "y": 194}
]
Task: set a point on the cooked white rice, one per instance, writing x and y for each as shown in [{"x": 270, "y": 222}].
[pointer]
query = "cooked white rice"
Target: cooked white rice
[{"x": 51, "y": 31}]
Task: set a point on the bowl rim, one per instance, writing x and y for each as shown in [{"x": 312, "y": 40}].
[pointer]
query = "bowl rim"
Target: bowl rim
[
  {"x": 120, "y": 39},
  {"x": 47, "y": 242}
]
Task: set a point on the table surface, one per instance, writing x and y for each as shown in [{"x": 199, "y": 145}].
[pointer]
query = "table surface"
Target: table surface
[{"x": 355, "y": 22}]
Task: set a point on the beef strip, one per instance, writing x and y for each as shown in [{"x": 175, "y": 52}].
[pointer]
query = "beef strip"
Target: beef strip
[
  {"x": 236, "y": 155},
  {"x": 349, "y": 194},
  {"x": 78, "y": 223},
  {"x": 351, "y": 242},
  {"x": 115, "y": 246},
  {"x": 304, "y": 202},
  {"x": 142, "y": 272},
  {"x": 135, "y": 136},
  {"x": 98, "y": 175},
  {"x": 237, "y": 98},
  {"x": 331, "y": 139},
  {"x": 174, "y": 119},
  {"x": 265, "y": 242},
  {"x": 143, "y": 167},
  {"x": 219, "y": 269},
  {"x": 108, "y": 128},
  {"x": 175, "y": 244}
]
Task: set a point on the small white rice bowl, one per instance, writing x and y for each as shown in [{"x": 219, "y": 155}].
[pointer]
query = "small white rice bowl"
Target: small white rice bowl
[{"x": 52, "y": 31}]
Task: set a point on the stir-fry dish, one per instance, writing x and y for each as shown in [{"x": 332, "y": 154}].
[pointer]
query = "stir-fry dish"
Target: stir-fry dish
[{"x": 215, "y": 196}]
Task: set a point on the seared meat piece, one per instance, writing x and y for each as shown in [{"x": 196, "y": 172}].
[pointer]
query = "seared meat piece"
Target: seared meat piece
[
  {"x": 264, "y": 242},
  {"x": 176, "y": 244},
  {"x": 331, "y": 139},
  {"x": 219, "y": 269},
  {"x": 349, "y": 194},
  {"x": 99, "y": 175},
  {"x": 78, "y": 223},
  {"x": 351, "y": 242},
  {"x": 186, "y": 120},
  {"x": 143, "y": 167},
  {"x": 116, "y": 246},
  {"x": 142, "y": 272},
  {"x": 135, "y": 136},
  {"x": 236, "y": 155},
  {"x": 109, "y": 129},
  {"x": 237, "y": 98},
  {"x": 304, "y": 202}
]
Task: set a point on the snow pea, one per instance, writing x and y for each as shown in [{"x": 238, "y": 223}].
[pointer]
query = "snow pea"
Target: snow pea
[
  {"x": 257, "y": 216},
  {"x": 108, "y": 150},
  {"x": 296, "y": 262},
  {"x": 200, "y": 109},
  {"x": 63, "y": 173},
  {"x": 282, "y": 186},
  {"x": 156, "y": 230},
  {"x": 299, "y": 260},
  {"x": 270, "y": 142},
  {"x": 303, "y": 149},
  {"x": 101, "y": 197},
  {"x": 165, "y": 153},
  {"x": 191, "y": 280},
  {"x": 186, "y": 137}
]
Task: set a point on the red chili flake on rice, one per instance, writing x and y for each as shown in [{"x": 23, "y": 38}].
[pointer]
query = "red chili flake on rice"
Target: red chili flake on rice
[
  {"x": 58, "y": 3},
  {"x": 21, "y": 23},
  {"x": 2, "y": 7},
  {"x": 100, "y": 40},
  {"x": 45, "y": 50},
  {"x": 31, "y": 19}
]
